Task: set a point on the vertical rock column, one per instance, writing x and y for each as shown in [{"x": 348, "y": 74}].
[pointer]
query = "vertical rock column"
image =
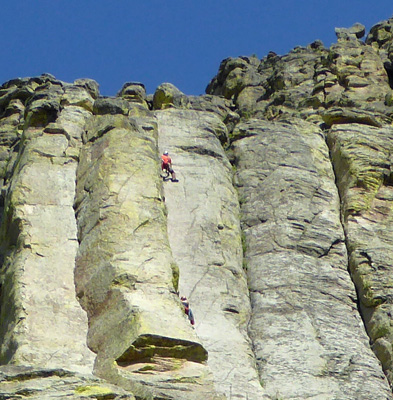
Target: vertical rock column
[
  {"x": 126, "y": 277},
  {"x": 362, "y": 159},
  {"x": 308, "y": 336},
  {"x": 42, "y": 323},
  {"x": 205, "y": 238},
  {"x": 10, "y": 132}
]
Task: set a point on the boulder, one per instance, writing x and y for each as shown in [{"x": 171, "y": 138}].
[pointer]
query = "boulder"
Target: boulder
[
  {"x": 134, "y": 92},
  {"x": 168, "y": 95},
  {"x": 356, "y": 31}
]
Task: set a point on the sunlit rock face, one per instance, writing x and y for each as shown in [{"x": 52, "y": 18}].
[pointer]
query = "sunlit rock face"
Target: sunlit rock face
[{"x": 277, "y": 230}]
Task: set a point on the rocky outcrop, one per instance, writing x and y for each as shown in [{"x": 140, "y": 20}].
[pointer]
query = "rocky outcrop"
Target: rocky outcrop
[{"x": 278, "y": 231}]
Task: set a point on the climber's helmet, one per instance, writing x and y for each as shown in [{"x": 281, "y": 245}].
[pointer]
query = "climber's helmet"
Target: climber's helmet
[{"x": 165, "y": 153}]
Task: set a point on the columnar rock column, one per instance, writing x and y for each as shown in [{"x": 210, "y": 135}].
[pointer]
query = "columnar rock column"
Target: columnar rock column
[
  {"x": 205, "y": 238},
  {"x": 307, "y": 333},
  {"x": 362, "y": 158},
  {"x": 126, "y": 277},
  {"x": 42, "y": 323}
]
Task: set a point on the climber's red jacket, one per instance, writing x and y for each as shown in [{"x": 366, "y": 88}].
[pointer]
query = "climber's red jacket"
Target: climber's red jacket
[{"x": 166, "y": 161}]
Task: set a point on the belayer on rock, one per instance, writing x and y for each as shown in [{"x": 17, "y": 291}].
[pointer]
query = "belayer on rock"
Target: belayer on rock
[
  {"x": 166, "y": 165},
  {"x": 187, "y": 309}
]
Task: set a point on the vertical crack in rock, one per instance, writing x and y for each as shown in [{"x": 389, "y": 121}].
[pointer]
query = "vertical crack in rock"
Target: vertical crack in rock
[
  {"x": 306, "y": 331},
  {"x": 280, "y": 322},
  {"x": 205, "y": 238},
  {"x": 126, "y": 278},
  {"x": 42, "y": 324},
  {"x": 361, "y": 157}
]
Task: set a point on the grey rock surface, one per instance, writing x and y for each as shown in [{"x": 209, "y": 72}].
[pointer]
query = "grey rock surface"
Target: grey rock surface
[
  {"x": 125, "y": 274},
  {"x": 18, "y": 382},
  {"x": 42, "y": 322},
  {"x": 278, "y": 231},
  {"x": 363, "y": 164},
  {"x": 355, "y": 31},
  {"x": 308, "y": 337},
  {"x": 205, "y": 238}
]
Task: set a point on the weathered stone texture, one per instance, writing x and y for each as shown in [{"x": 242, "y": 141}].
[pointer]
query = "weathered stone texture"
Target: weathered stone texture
[
  {"x": 287, "y": 264},
  {"x": 126, "y": 278},
  {"x": 362, "y": 80},
  {"x": 205, "y": 238},
  {"x": 306, "y": 330},
  {"x": 362, "y": 158},
  {"x": 42, "y": 322},
  {"x": 274, "y": 86},
  {"x": 309, "y": 79},
  {"x": 18, "y": 382}
]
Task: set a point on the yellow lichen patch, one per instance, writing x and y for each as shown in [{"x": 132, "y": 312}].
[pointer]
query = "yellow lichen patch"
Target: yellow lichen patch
[
  {"x": 175, "y": 276},
  {"x": 93, "y": 390}
]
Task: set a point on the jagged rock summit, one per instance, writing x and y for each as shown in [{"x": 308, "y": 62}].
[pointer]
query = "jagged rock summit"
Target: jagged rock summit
[{"x": 279, "y": 232}]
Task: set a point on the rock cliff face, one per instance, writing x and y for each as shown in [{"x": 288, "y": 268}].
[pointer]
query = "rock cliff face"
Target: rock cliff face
[{"x": 279, "y": 232}]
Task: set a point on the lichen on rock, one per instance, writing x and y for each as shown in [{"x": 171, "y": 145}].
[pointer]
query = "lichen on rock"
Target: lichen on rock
[{"x": 278, "y": 231}]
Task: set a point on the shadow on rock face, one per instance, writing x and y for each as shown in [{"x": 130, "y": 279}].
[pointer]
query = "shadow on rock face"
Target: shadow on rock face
[{"x": 146, "y": 347}]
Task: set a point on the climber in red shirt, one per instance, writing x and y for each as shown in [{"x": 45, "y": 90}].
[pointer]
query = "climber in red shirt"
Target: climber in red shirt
[{"x": 166, "y": 165}]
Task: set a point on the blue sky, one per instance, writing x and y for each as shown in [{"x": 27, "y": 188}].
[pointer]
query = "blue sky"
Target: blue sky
[{"x": 156, "y": 41}]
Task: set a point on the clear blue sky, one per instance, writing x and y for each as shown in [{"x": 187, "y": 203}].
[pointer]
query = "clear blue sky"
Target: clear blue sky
[{"x": 156, "y": 41}]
